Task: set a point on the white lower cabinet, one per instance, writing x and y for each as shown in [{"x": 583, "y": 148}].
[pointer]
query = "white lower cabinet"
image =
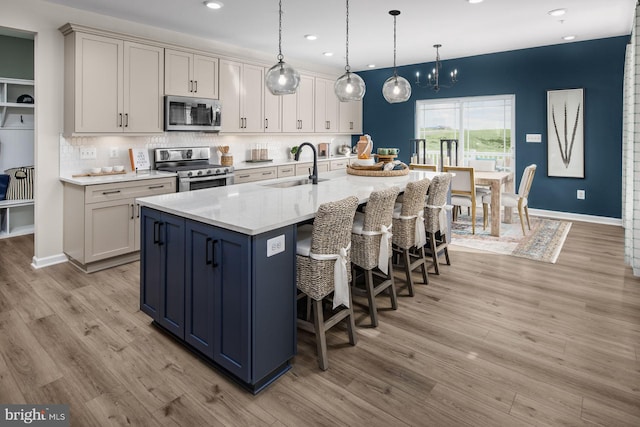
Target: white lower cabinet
[
  {"x": 338, "y": 164},
  {"x": 306, "y": 168},
  {"x": 102, "y": 221},
  {"x": 257, "y": 174}
]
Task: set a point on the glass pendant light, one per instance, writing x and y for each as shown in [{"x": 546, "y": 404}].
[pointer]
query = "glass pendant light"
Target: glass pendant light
[
  {"x": 349, "y": 86},
  {"x": 282, "y": 79},
  {"x": 395, "y": 89}
]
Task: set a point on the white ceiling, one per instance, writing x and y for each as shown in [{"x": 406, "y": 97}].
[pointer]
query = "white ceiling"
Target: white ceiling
[{"x": 463, "y": 29}]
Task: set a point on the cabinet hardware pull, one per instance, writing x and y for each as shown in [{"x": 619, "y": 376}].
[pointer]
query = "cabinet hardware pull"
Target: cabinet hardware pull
[
  {"x": 126, "y": 120},
  {"x": 214, "y": 264},
  {"x": 244, "y": 176},
  {"x": 120, "y": 120},
  {"x": 195, "y": 85},
  {"x": 267, "y": 173},
  {"x": 208, "y": 260},
  {"x": 138, "y": 210},
  {"x": 160, "y": 242},
  {"x": 156, "y": 232},
  {"x": 153, "y": 187},
  {"x": 132, "y": 210},
  {"x": 266, "y": 123},
  {"x": 190, "y": 85},
  {"x": 110, "y": 192}
]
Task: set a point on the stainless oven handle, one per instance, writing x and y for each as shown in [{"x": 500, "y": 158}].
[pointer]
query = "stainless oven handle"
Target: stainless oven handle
[{"x": 207, "y": 177}]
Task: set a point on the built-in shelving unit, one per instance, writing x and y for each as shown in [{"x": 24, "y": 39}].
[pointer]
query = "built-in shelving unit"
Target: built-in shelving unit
[
  {"x": 15, "y": 115},
  {"x": 16, "y": 217}
]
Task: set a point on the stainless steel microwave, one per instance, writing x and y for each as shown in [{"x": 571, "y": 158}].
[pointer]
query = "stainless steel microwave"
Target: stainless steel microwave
[{"x": 182, "y": 113}]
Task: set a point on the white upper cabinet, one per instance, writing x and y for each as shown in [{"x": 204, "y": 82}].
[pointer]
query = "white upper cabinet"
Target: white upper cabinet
[
  {"x": 112, "y": 86},
  {"x": 189, "y": 74},
  {"x": 350, "y": 117},
  {"x": 298, "y": 109},
  {"x": 242, "y": 96},
  {"x": 326, "y": 107},
  {"x": 272, "y": 112}
]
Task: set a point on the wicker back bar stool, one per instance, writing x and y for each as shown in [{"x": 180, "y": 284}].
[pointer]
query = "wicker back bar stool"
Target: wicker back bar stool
[
  {"x": 371, "y": 249},
  {"x": 435, "y": 219},
  {"x": 408, "y": 230},
  {"x": 323, "y": 257}
]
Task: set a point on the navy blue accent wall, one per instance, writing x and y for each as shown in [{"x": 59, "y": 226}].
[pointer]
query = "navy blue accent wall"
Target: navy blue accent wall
[{"x": 597, "y": 66}]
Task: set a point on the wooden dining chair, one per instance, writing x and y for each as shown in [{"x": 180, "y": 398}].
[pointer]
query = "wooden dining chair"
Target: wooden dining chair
[
  {"x": 520, "y": 199},
  {"x": 463, "y": 192}
]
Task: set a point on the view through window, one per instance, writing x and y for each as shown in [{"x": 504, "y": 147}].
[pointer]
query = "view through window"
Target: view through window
[{"x": 483, "y": 127}]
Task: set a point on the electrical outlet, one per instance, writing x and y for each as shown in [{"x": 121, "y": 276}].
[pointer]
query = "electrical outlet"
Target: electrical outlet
[
  {"x": 275, "y": 245},
  {"x": 88, "y": 153},
  {"x": 580, "y": 194},
  {"x": 113, "y": 153}
]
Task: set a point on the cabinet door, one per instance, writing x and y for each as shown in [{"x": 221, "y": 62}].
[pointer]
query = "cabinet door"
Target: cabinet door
[
  {"x": 178, "y": 73},
  {"x": 230, "y": 74},
  {"x": 306, "y": 102},
  {"x": 298, "y": 109},
  {"x": 199, "y": 284},
  {"x": 162, "y": 269},
  {"x": 351, "y": 117},
  {"x": 272, "y": 112},
  {"x": 205, "y": 76},
  {"x": 326, "y": 107},
  {"x": 217, "y": 296},
  {"x": 143, "y": 88},
  {"x": 109, "y": 229},
  {"x": 252, "y": 98},
  {"x": 232, "y": 302},
  {"x": 150, "y": 259},
  {"x": 98, "y": 84}
]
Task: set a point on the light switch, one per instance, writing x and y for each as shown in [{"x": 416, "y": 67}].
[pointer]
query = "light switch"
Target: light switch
[
  {"x": 275, "y": 245},
  {"x": 534, "y": 137}
]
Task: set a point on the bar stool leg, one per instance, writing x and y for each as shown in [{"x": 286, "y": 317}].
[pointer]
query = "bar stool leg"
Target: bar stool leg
[
  {"x": 321, "y": 340},
  {"x": 373, "y": 309}
]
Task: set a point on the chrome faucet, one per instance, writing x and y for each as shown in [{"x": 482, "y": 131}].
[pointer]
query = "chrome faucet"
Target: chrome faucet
[{"x": 314, "y": 174}]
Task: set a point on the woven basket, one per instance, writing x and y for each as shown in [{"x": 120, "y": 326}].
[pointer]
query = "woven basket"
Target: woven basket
[
  {"x": 400, "y": 172},
  {"x": 226, "y": 160}
]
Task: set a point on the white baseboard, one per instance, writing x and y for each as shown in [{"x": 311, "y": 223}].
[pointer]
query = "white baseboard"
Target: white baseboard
[
  {"x": 48, "y": 261},
  {"x": 576, "y": 217}
]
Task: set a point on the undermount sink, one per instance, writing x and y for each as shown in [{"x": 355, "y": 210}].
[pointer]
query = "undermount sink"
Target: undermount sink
[{"x": 293, "y": 183}]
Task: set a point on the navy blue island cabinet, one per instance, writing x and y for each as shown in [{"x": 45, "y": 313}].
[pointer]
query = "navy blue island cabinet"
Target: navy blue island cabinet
[{"x": 228, "y": 296}]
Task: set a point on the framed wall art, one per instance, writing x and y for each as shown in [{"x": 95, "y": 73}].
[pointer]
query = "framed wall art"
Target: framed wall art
[{"x": 565, "y": 133}]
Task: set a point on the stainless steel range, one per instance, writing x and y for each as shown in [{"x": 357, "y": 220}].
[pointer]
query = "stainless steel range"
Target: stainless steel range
[{"x": 193, "y": 168}]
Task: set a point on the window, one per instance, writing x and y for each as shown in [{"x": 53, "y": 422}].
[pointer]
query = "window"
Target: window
[{"x": 483, "y": 126}]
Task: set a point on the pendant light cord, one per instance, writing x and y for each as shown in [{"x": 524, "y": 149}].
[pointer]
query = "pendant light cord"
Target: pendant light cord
[
  {"x": 347, "y": 67},
  {"x": 395, "y": 71},
  {"x": 280, "y": 57}
]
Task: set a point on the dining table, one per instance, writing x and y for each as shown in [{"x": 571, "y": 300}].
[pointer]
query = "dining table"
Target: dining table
[{"x": 495, "y": 180}]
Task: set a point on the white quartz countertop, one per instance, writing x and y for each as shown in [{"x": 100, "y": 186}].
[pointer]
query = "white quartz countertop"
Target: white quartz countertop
[
  {"x": 257, "y": 207},
  {"x": 108, "y": 179},
  {"x": 243, "y": 165}
]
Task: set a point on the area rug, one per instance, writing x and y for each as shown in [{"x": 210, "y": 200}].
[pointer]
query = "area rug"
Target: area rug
[{"x": 542, "y": 243}]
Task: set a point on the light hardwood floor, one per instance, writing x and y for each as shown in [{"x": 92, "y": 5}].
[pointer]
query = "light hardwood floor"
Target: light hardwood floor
[{"x": 492, "y": 341}]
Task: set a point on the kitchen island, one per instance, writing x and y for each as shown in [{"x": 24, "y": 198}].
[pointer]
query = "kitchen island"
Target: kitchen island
[{"x": 218, "y": 267}]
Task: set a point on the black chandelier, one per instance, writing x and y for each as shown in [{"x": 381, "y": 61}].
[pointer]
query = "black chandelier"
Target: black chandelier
[{"x": 433, "y": 78}]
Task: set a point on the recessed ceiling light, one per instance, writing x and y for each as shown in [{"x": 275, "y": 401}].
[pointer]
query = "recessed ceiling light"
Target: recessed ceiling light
[
  {"x": 567, "y": 38},
  {"x": 557, "y": 12},
  {"x": 475, "y": 1},
  {"x": 213, "y": 4},
  {"x": 311, "y": 37},
  {"x": 327, "y": 53},
  {"x": 371, "y": 65}
]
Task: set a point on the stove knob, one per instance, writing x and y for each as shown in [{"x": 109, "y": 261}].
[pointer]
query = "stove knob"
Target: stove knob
[
  {"x": 209, "y": 171},
  {"x": 189, "y": 173},
  {"x": 217, "y": 171},
  {"x": 226, "y": 170},
  {"x": 199, "y": 173}
]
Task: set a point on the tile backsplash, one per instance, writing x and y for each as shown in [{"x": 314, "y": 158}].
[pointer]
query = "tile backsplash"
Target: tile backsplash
[{"x": 114, "y": 150}]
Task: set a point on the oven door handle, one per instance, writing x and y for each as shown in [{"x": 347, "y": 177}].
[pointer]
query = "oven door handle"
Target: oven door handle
[{"x": 206, "y": 177}]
